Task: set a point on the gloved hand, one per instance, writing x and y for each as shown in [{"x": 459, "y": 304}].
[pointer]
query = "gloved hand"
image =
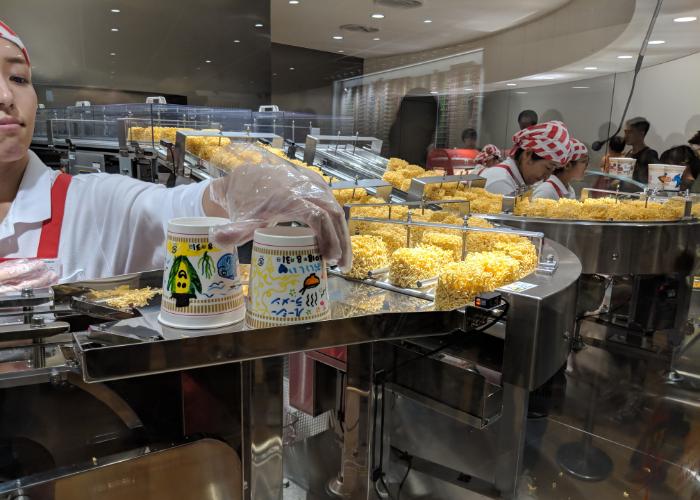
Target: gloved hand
[
  {"x": 23, "y": 273},
  {"x": 264, "y": 192}
]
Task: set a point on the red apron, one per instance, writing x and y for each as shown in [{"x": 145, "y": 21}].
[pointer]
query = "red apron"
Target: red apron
[
  {"x": 51, "y": 228},
  {"x": 506, "y": 167},
  {"x": 556, "y": 188}
]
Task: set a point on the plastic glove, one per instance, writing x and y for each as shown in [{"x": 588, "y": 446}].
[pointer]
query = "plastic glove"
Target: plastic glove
[
  {"x": 23, "y": 273},
  {"x": 266, "y": 190}
]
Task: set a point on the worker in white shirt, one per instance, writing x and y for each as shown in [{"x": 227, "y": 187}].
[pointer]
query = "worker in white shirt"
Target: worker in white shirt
[
  {"x": 559, "y": 183},
  {"x": 98, "y": 225},
  {"x": 537, "y": 151}
]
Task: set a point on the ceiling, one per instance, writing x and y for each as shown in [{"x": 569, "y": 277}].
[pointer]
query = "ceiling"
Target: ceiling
[{"x": 313, "y": 23}]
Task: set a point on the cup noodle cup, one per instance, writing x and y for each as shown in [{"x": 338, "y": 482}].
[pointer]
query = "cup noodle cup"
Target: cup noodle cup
[
  {"x": 665, "y": 177},
  {"x": 288, "y": 281},
  {"x": 201, "y": 285},
  {"x": 622, "y": 166}
]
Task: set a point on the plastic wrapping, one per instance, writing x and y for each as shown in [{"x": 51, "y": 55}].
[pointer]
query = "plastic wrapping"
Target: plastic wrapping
[
  {"x": 266, "y": 190},
  {"x": 24, "y": 273}
]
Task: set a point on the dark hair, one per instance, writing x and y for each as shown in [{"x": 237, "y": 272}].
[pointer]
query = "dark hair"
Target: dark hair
[
  {"x": 682, "y": 155},
  {"x": 616, "y": 144},
  {"x": 528, "y": 116},
  {"x": 695, "y": 139},
  {"x": 639, "y": 123},
  {"x": 520, "y": 151},
  {"x": 469, "y": 133}
]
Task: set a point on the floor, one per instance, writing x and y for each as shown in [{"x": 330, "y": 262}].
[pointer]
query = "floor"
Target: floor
[{"x": 617, "y": 421}]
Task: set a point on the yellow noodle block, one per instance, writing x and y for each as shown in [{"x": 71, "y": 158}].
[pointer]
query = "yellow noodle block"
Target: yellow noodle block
[
  {"x": 409, "y": 265},
  {"x": 368, "y": 253}
]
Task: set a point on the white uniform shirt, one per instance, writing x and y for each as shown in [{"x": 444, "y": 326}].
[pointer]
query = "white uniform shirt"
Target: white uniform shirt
[
  {"x": 547, "y": 190},
  {"x": 500, "y": 181},
  {"x": 112, "y": 224}
]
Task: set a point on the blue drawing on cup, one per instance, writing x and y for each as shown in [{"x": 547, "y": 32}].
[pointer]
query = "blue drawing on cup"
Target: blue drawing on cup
[
  {"x": 226, "y": 266},
  {"x": 282, "y": 269}
]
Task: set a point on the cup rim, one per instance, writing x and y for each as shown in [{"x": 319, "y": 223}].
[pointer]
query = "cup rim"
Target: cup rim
[
  {"x": 285, "y": 232},
  {"x": 198, "y": 222}
]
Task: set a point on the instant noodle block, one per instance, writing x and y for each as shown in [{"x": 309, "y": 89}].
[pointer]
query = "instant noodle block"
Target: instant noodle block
[
  {"x": 409, "y": 265},
  {"x": 604, "y": 209},
  {"x": 368, "y": 253}
]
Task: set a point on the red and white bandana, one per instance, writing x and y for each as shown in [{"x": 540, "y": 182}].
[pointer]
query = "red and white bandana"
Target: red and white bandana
[
  {"x": 7, "y": 33},
  {"x": 578, "y": 150},
  {"x": 488, "y": 153},
  {"x": 549, "y": 140}
]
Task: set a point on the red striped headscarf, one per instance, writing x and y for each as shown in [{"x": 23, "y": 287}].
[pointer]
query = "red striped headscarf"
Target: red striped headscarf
[
  {"x": 549, "y": 140},
  {"x": 578, "y": 150},
  {"x": 489, "y": 152},
  {"x": 7, "y": 33}
]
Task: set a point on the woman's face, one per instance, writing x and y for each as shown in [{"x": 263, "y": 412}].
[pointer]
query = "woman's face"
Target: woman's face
[
  {"x": 534, "y": 171},
  {"x": 579, "y": 168},
  {"x": 18, "y": 103}
]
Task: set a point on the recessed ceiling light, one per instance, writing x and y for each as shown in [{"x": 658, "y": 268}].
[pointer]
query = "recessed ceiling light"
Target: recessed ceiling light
[
  {"x": 115, "y": 29},
  {"x": 521, "y": 92},
  {"x": 624, "y": 57},
  {"x": 291, "y": 69},
  {"x": 685, "y": 19},
  {"x": 433, "y": 91},
  {"x": 341, "y": 51},
  {"x": 112, "y": 53},
  {"x": 580, "y": 87},
  {"x": 337, "y": 37},
  {"x": 468, "y": 90},
  {"x": 377, "y": 16},
  {"x": 236, "y": 41},
  {"x": 116, "y": 11},
  {"x": 656, "y": 42},
  {"x": 208, "y": 61},
  {"x": 428, "y": 21},
  {"x": 259, "y": 25},
  {"x": 274, "y": 74},
  {"x": 511, "y": 84},
  {"x": 376, "y": 38},
  {"x": 591, "y": 68},
  {"x": 293, "y": 2}
]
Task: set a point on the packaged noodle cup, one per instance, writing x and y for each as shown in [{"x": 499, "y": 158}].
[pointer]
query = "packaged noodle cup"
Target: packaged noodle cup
[
  {"x": 665, "y": 177},
  {"x": 288, "y": 282},
  {"x": 201, "y": 284},
  {"x": 622, "y": 166}
]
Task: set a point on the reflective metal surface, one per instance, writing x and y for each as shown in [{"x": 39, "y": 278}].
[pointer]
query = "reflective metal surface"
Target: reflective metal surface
[{"x": 619, "y": 248}]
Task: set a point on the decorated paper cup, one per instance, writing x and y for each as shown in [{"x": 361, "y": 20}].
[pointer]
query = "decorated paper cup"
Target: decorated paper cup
[
  {"x": 201, "y": 285},
  {"x": 288, "y": 282},
  {"x": 665, "y": 177},
  {"x": 622, "y": 166}
]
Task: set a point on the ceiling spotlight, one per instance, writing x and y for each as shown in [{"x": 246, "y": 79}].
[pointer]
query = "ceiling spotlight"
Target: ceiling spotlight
[
  {"x": 521, "y": 92},
  {"x": 580, "y": 87},
  {"x": 291, "y": 69},
  {"x": 591, "y": 68},
  {"x": 376, "y": 38},
  {"x": 259, "y": 25},
  {"x": 341, "y": 51},
  {"x": 686, "y": 19},
  {"x": 115, "y": 29},
  {"x": 293, "y": 2},
  {"x": 428, "y": 21},
  {"x": 116, "y": 11},
  {"x": 377, "y": 16},
  {"x": 337, "y": 37},
  {"x": 236, "y": 41},
  {"x": 624, "y": 57},
  {"x": 511, "y": 84},
  {"x": 433, "y": 92},
  {"x": 112, "y": 53},
  {"x": 468, "y": 90},
  {"x": 656, "y": 42},
  {"x": 208, "y": 61}
]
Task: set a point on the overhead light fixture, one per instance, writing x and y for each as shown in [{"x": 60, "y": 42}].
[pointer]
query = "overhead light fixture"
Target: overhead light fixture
[
  {"x": 624, "y": 57},
  {"x": 685, "y": 19},
  {"x": 468, "y": 90},
  {"x": 116, "y": 11},
  {"x": 208, "y": 61},
  {"x": 591, "y": 68},
  {"x": 112, "y": 53},
  {"x": 293, "y": 2},
  {"x": 546, "y": 76},
  {"x": 236, "y": 41},
  {"x": 115, "y": 29},
  {"x": 377, "y": 16},
  {"x": 291, "y": 69},
  {"x": 511, "y": 84},
  {"x": 337, "y": 37},
  {"x": 428, "y": 21},
  {"x": 520, "y": 92},
  {"x": 433, "y": 91},
  {"x": 656, "y": 42},
  {"x": 376, "y": 38},
  {"x": 259, "y": 25},
  {"x": 580, "y": 87},
  {"x": 341, "y": 51}
]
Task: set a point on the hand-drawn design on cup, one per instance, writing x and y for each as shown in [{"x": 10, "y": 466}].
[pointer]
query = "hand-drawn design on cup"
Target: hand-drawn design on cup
[
  {"x": 310, "y": 282},
  {"x": 206, "y": 264},
  {"x": 282, "y": 269},
  {"x": 183, "y": 281},
  {"x": 226, "y": 267}
]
